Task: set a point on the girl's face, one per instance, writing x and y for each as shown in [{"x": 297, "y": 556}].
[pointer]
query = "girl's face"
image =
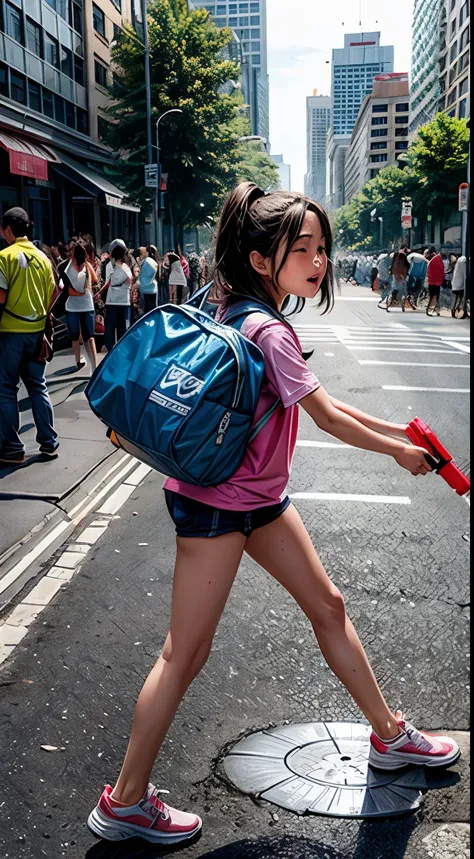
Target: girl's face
[{"x": 306, "y": 263}]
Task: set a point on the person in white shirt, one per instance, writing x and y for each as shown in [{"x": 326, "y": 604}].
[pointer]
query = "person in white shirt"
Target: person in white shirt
[
  {"x": 177, "y": 276},
  {"x": 458, "y": 285},
  {"x": 77, "y": 278},
  {"x": 117, "y": 304}
]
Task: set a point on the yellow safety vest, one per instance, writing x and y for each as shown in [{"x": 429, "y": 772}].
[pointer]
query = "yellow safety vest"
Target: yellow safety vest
[{"x": 27, "y": 275}]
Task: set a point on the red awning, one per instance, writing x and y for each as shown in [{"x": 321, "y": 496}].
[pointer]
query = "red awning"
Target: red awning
[{"x": 26, "y": 158}]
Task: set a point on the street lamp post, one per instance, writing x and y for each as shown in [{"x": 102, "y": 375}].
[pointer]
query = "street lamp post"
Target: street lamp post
[{"x": 158, "y": 236}]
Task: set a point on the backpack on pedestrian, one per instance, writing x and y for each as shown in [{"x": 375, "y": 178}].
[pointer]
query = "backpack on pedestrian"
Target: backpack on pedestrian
[{"x": 179, "y": 390}]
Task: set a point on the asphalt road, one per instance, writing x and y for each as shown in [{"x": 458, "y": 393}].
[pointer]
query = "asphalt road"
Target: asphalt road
[{"x": 403, "y": 568}]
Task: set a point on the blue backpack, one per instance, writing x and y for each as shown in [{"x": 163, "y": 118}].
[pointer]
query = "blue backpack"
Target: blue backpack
[{"x": 179, "y": 390}]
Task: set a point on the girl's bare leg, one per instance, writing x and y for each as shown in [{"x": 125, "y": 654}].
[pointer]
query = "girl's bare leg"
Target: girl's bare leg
[
  {"x": 173, "y": 296},
  {"x": 204, "y": 572},
  {"x": 284, "y": 549}
]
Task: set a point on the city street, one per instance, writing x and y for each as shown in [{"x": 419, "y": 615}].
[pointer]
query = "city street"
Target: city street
[{"x": 396, "y": 546}]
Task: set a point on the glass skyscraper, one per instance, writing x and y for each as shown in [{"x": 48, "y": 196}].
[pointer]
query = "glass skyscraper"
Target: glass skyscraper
[
  {"x": 248, "y": 19},
  {"x": 318, "y": 120},
  {"x": 425, "y": 62}
]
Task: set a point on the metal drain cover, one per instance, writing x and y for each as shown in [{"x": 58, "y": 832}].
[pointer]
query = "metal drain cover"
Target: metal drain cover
[{"x": 321, "y": 768}]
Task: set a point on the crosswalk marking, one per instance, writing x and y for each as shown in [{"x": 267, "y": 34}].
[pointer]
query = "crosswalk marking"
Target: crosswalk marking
[
  {"x": 412, "y": 364},
  {"x": 395, "y": 337},
  {"x": 436, "y": 390}
]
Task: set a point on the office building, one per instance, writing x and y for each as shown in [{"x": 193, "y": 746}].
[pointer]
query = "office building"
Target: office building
[
  {"x": 318, "y": 120},
  {"x": 454, "y": 59},
  {"x": 284, "y": 172},
  {"x": 54, "y": 66},
  {"x": 380, "y": 133},
  {"x": 354, "y": 68},
  {"x": 427, "y": 42},
  {"x": 249, "y": 21}
]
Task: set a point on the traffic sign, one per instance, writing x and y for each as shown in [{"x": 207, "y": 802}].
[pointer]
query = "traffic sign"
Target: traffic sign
[
  {"x": 151, "y": 175},
  {"x": 463, "y": 197},
  {"x": 406, "y": 214}
]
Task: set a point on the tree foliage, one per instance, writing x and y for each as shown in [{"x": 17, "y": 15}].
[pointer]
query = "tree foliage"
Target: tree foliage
[
  {"x": 199, "y": 150},
  {"x": 430, "y": 173}
]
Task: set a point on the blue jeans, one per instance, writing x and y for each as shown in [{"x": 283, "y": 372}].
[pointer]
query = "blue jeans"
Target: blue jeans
[
  {"x": 116, "y": 318},
  {"x": 17, "y": 362}
]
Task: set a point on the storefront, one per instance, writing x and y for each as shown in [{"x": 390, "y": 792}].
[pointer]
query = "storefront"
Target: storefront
[{"x": 63, "y": 195}]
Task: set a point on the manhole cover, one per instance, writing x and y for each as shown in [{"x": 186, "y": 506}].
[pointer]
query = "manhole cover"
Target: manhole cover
[{"x": 321, "y": 768}]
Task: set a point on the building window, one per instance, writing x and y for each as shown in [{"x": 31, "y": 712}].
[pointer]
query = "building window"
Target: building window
[
  {"x": 452, "y": 96},
  {"x": 401, "y": 120},
  {"x": 402, "y": 107},
  {"x": 463, "y": 62},
  {"x": 51, "y": 52},
  {"x": 33, "y": 38},
  {"x": 77, "y": 17},
  {"x": 66, "y": 62},
  {"x": 18, "y": 87},
  {"x": 3, "y": 80},
  {"x": 78, "y": 70},
  {"x": 100, "y": 72},
  {"x": 70, "y": 117},
  {"x": 378, "y": 145},
  {"x": 255, "y": 20},
  {"x": 13, "y": 23},
  {"x": 453, "y": 3},
  {"x": 379, "y": 120},
  {"x": 117, "y": 31},
  {"x": 379, "y": 108},
  {"x": 59, "y": 112},
  {"x": 464, "y": 40},
  {"x": 464, "y": 86},
  {"x": 117, "y": 4},
  {"x": 81, "y": 120},
  {"x": 48, "y": 106},
  {"x": 374, "y": 158},
  {"x": 401, "y": 132},
  {"x": 464, "y": 13},
  {"x": 452, "y": 74},
  {"x": 462, "y": 108},
  {"x": 98, "y": 20},
  {"x": 401, "y": 144},
  {"x": 378, "y": 132},
  {"x": 453, "y": 52},
  {"x": 34, "y": 96}
]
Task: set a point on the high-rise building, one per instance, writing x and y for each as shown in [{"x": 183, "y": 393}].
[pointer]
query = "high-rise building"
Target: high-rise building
[
  {"x": 354, "y": 68},
  {"x": 284, "y": 172},
  {"x": 454, "y": 59},
  {"x": 54, "y": 66},
  {"x": 427, "y": 41},
  {"x": 249, "y": 22},
  {"x": 318, "y": 120},
  {"x": 380, "y": 133}
]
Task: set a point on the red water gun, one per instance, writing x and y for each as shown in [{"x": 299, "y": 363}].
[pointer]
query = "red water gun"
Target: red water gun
[{"x": 438, "y": 457}]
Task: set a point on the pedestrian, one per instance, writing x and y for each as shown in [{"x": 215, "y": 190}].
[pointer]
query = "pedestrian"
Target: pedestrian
[
  {"x": 147, "y": 278},
  {"x": 183, "y": 291},
  {"x": 269, "y": 246},
  {"x": 416, "y": 275},
  {"x": 78, "y": 278},
  {"x": 27, "y": 288},
  {"x": 399, "y": 271},
  {"x": 195, "y": 272},
  {"x": 458, "y": 285},
  {"x": 118, "y": 301},
  {"x": 435, "y": 277},
  {"x": 383, "y": 268},
  {"x": 176, "y": 277}
]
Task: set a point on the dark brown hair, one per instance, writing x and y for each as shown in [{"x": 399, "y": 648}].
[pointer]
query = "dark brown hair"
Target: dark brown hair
[{"x": 254, "y": 220}]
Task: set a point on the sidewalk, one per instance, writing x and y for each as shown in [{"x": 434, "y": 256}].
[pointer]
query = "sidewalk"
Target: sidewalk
[{"x": 28, "y": 493}]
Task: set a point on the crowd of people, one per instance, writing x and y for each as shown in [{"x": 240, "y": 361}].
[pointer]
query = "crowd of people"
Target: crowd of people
[
  {"x": 98, "y": 294},
  {"x": 402, "y": 275}
]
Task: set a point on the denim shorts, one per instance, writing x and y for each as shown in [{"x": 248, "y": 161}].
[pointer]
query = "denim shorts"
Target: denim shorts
[
  {"x": 80, "y": 322},
  {"x": 195, "y": 519}
]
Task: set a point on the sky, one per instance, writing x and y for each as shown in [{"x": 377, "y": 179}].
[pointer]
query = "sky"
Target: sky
[{"x": 301, "y": 35}]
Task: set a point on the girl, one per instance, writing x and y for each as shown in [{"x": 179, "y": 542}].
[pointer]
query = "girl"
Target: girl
[
  {"x": 79, "y": 278},
  {"x": 117, "y": 303},
  {"x": 269, "y": 246},
  {"x": 177, "y": 277}
]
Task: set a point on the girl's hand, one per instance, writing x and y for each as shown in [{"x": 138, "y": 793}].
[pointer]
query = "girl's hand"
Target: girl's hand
[{"x": 413, "y": 459}]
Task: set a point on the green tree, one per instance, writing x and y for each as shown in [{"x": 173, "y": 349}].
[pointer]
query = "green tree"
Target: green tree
[
  {"x": 199, "y": 149},
  {"x": 384, "y": 193},
  {"x": 437, "y": 160},
  {"x": 254, "y": 165}
]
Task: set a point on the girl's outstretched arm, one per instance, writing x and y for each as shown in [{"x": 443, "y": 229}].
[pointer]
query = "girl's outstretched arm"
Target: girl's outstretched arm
[
  {"x": 376, "y": 424},
  {"x": 348, "y": 429}
]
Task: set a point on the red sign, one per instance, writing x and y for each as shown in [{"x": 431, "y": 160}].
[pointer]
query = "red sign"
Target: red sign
[
  {"x": 406, "y": 222},
  {"x": 23, "y": 164},
  {"x": 463, "y": 197},
  {"x": 164, "y": 182}
]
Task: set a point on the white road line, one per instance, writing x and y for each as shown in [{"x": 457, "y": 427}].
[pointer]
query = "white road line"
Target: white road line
[
  {"x": 304, "y": 443},
  {"x": 356, "y": 298},
  {"x": 455, "y": 337},
  {"x": 104, "y": 478},
  {"x": 138, "y": 475},
  {"x": 115, "y": 501},
  {"x": 401, "y": 349},
  {"x": 336, "y": 496},
  {"x": 436, "y": 390},
  {"x": 461, "y": 346},
  {"x": 412, "y": 364},
  {"x": 25, "y": 562}
]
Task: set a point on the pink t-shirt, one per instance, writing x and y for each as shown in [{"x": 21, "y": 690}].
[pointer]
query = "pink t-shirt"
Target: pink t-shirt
[{"x": 263, "y": 475}]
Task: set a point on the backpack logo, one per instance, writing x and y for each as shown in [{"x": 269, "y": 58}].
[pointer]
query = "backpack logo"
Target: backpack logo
[
  {"x": 223, "y": 427},
  {"x": 185, "y": 383}
]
